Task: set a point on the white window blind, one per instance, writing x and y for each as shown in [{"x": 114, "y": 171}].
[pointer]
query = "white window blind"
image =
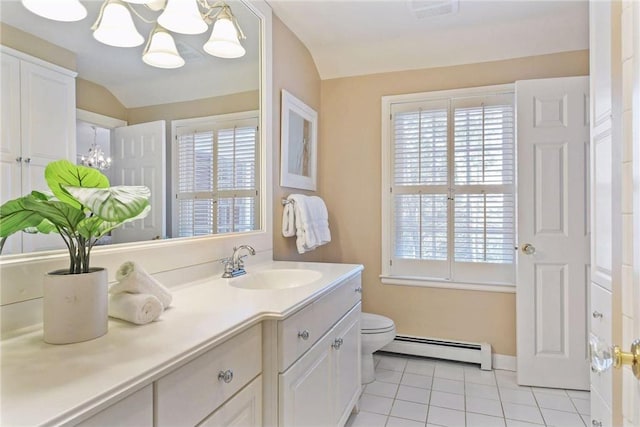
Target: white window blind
[
  {"x": 217, "y": 169},
  {"x": 452, "y": 176}
]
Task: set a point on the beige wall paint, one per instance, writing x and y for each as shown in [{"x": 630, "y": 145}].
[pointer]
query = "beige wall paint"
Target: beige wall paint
[
  {"x": 295, "y": 71},
  {"x": 212, "y": 106},
  {"x": 35, "y": 46},
  {"x": 98, "y": 99},
  {"x": 350, "y": 179}
]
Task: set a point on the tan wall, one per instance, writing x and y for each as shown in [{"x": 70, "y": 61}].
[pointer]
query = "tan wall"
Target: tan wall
[
  {"x": 234, "y": 103},
  {"x": 93, "y": 97},
  {"x": 295, "y": 71},
  {"x": 34, "y": 46},
  {"x": 349, "y": 173}
]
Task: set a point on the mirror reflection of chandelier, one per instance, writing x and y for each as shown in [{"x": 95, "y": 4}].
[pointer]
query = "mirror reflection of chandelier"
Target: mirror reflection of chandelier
[
  {"x": 96, "y": 158},
  {"x": 115, "y": 25}
]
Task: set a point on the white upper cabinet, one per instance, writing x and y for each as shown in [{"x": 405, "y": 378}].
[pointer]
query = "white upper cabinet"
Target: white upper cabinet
[{"x": 38, "y": 126}]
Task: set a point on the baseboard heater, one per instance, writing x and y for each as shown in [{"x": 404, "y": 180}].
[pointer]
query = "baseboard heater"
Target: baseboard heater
[{"x": 460, "y": 351}]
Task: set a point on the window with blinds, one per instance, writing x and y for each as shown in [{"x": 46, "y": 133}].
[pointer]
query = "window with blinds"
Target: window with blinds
[
  {"x": 217, "y": 170},
  {"x": 451, "y": 197}
]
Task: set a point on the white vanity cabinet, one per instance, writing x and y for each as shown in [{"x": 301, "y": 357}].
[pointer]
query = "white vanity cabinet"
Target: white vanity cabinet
[
  {"x": 37, "y": 126},
  {"x": 319, "y": 375},
  {"x": 193, "y": 392},
  {"x": 134, "y": 410}
]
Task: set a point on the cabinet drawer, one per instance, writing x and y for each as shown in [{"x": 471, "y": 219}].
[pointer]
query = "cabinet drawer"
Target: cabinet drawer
[
  {"x": 134, "y": 410},
  {"x": 600, "y": 313},
  {"x": 315, "y": 320},
  {"x": 190, "y": 393},
  {"x": 334, "y": 305}
]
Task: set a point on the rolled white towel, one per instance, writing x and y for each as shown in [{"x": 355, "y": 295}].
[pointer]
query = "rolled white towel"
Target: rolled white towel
[
  {"x": 134, "y": 279},
  {"x": 135, "y": 308},
  {"x": 289, "y": 219}
]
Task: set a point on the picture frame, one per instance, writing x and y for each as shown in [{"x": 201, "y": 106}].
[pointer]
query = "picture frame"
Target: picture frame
[{"x": 298, "y": 144}]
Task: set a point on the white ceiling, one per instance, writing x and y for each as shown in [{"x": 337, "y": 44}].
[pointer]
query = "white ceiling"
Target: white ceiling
[
  {"x": 122, "y": 71},
  {"x": 355, "y": 37},
  {"x": 345, "y": 37}
]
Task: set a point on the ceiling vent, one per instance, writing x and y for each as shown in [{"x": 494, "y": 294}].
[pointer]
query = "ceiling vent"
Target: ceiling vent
[
  {"x": 187, "y": 52},
  {"x": 425, "y": 8}
]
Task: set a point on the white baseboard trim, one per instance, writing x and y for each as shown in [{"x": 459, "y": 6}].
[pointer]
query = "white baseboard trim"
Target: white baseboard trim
[{"x": 504, "y": 362}]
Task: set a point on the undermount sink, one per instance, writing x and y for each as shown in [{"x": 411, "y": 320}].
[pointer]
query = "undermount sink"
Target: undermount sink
[{"x": 276, "y": 279}]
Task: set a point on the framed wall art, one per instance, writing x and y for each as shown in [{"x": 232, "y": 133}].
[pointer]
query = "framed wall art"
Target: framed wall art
[{"x": 298, "y": 144}]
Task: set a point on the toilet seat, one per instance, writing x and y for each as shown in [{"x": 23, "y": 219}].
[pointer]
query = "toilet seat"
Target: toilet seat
[{"x": 375, "y": 324}]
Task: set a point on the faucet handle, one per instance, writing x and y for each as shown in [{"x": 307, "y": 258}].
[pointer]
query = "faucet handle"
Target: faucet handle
[{"x": 228, "y": 266}]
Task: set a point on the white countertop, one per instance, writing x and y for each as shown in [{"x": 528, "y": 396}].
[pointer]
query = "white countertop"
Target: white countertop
[{"x": 43, "y": 384}]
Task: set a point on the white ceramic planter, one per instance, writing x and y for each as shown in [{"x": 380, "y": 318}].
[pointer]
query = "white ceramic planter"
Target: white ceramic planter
[{"x": 75, "y": 306}]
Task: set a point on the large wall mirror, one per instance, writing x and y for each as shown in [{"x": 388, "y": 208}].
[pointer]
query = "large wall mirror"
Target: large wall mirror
[
  {"x": 178, "y": 131},
  {"x": 227, "y": 95}
]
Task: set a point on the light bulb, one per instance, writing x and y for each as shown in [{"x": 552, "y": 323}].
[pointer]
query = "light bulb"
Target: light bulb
[{"x": 57, "y": 10}]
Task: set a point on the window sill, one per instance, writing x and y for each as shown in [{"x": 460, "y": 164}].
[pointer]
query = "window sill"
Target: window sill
[{"x": 445, "y": 284}]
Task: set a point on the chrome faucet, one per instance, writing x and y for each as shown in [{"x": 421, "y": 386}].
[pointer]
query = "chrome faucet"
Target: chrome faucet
[{"x": 234, "y": 266}]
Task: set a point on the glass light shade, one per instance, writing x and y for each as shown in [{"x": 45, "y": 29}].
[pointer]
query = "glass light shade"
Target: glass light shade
[
  {"x": 183, "y": 17},
  {"x": 57, "y": 10},
  {"x": 151, "y": 4},
  {"x": 224, "y": 41},
  {"x": 161, "y": 51},
  {"x": 116, "y": 27}
]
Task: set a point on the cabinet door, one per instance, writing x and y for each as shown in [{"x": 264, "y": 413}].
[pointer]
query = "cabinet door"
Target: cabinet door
[
  {"x": 10, "y": 147},
  {"x": 305, "y": 389},
  {"x": 346, "y": 366},
  {"x": 243, "y": 410},
  {"x": 48, "y": 130}
]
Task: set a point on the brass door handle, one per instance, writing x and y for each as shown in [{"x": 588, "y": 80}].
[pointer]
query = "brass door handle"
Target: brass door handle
[{"x": 632, "y": 358}]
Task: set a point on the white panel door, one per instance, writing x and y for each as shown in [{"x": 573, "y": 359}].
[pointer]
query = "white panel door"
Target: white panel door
[
  {"x": 10, "y": 145},
  {"x": 553, "y": 232},
  {"x": 48, "y": 133},
  {"x": 138, "y": 155}
]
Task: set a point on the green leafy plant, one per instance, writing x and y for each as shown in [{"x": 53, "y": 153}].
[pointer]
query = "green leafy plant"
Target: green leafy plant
[{"x": 82, "y": 208}]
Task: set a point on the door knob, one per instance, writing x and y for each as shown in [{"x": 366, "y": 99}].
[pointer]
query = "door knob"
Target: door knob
[
  {"x": 603, "y": 356},
  {"x": 632, "y": 358},
  {"x": 528, "y": 249}
]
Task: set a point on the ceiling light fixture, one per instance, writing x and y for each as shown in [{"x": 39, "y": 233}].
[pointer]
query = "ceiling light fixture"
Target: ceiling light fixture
[
  {"x": 161, "y": 50},
  {"x": 115, "y": 26},
  {"x": 57, "y": 10},
  {"x": 95, "y": 158}
]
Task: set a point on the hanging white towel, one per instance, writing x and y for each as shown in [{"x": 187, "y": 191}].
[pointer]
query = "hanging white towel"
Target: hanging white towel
[
  {"x": 134, "y": 279},
  {"x": 135, "y": 308},
  {"x": 311, "y": 222}
]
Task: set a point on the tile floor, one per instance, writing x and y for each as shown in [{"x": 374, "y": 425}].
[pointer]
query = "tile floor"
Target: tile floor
[{"x": 418, "y": 392}]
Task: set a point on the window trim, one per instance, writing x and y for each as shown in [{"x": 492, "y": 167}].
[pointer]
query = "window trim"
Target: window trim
[
  {"x": 204, "y": 121},
  {"x": 386, "y": 197}
]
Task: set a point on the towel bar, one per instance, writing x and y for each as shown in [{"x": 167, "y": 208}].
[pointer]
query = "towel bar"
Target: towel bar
[{"x": 286, "y": 201}]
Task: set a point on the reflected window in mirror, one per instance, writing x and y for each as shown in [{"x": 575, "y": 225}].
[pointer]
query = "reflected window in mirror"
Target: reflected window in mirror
[{"x": 216, "y": 173}]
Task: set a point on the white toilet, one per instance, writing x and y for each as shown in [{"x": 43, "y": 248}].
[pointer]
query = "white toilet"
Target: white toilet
[{"x": 376, "y": 331}]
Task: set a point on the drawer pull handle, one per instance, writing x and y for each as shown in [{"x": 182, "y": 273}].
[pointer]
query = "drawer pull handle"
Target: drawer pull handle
[
  {"x": 597, "y": 315},
  {"x": 337, "y": 343},
  {"x": 27, "y": 160},
  {"x": 596, "y": 423},
  {"x": 19, "y": 159},
  {"x": 359, "y": 289},
  {"x": 304, "y": 335},
  {"x": 226, "y": 376}
]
